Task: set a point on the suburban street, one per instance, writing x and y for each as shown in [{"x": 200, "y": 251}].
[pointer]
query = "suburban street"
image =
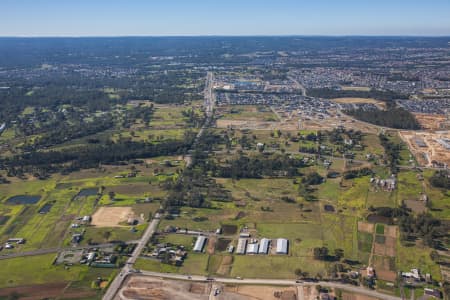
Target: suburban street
[{"x": 298, "y": 85}]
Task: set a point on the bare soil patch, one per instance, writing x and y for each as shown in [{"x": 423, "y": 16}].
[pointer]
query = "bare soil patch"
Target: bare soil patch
[
  {"x": 365, "y": 227},
  {"x": 429, "y": 121},
  {"x": 111, "y": 216},
  {"x": 267, "y": 292},
  {"x": 351, "y": 100},
  {"x": 433, "y": 150},
  {"x": 391, "y": 231},
  {"x": 390, "y": 246},
  {"x": 225, "y": 265},
  {"x": 416, "y": 206},
  {"x": 222, "y": 244},
  {"x": 229, "y": 229},
  {"x": 379, "y": 249},
  {"x": 386, "y": 275},
  {"x": 211, "y": 245}
]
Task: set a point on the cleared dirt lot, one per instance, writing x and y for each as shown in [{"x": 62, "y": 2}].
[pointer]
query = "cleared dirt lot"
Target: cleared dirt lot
[
  {"x": 365, "y": 227},
  {"x": 261, "y": 292},
  {"x": 431, "y": 150},
  {"x": 391, "y": 231},
  {"x": 140, "y": 287},
  {"x": 431, "y": 122},
  {"x": 111, "y": 216},
  {"x": 144, "y": 287}
]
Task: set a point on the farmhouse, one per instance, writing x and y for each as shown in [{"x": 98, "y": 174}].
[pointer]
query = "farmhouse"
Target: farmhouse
[
  {"x": 282, "y": 246},
  {"x": 414, "y": 274},
  {"x": 199, "y": 244}
]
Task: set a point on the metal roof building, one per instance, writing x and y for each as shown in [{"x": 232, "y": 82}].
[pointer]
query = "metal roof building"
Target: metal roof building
[
  {"x": 241, "y": 246},
  {"x": 282, "y": 246},
  {"x": 199, "y": 244},
  {"x": 252, "y": 248},
  {"x": 264, "y": 246}
]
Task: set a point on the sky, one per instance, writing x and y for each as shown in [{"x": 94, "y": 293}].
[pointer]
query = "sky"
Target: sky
[{"x": 226, "y": 17}]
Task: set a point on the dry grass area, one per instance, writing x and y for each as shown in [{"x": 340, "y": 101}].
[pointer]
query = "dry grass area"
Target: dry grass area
[
  {"x": 256, "y": 125},
  {"x": 350, "y": 100},
  {"x": 347, "y": 296},
  {"x": 111, "y": 216},
  {"x": 356, "y": 88},
  {"x": 416, "y": 206}
]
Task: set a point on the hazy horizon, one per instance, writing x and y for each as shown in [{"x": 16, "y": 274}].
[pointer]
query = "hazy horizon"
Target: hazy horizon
[{"x": 50, "y": 18}]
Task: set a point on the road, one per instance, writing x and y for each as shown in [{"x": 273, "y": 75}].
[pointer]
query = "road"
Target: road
[
  {"x": 55, "y": 250},
  {"x": 128, "y": 268},
  {"x": 298, "y": 85},
  {"x": 281, "y": 282},
  {"x": 208, "y": 104}
]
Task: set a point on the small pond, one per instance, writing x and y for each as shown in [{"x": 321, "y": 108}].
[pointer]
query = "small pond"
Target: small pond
[
  {"x": 4, "y": 219},
  {"x": 88, "y": 192},
  {"x": 46, "y": 208},
  {"x": 23, "y": 199}
]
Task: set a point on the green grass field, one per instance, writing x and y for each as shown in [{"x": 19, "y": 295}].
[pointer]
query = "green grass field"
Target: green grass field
[
  {"x": 195, "y": 263},
  {"x": 279, "y": 266},
  {"x": 37, "y": 270}
]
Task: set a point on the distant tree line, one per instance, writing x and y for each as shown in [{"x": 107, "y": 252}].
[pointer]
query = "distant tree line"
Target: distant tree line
[
  {"x": 90, "y": 156},
  {"x": 329, "y": 93},
  {"x": 394, "y": 117},
  {"x": 357, "y": 173}
]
